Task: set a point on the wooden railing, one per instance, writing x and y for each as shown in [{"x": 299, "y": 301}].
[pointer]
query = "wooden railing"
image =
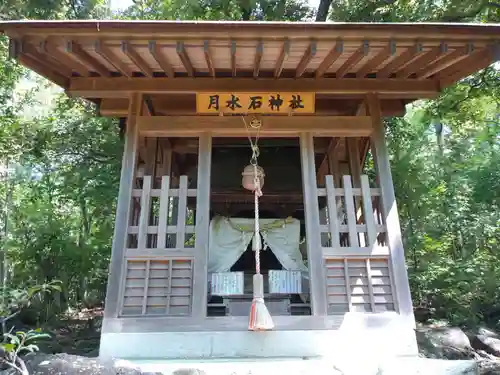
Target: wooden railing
[
  {"x": 355, "y": 253},
  {"x": 158, "y": 276}
]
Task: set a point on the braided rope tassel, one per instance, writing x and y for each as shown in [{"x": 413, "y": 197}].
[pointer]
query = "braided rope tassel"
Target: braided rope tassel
[{"x": 260, "y": 319}]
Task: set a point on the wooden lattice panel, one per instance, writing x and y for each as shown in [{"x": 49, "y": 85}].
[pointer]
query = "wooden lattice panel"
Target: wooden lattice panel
[
  {"x": 160, "y": 218},
  {"x": 158, "y": 287},
  {"x": 358, "y": 285},
  {"x": 353, "y": 219}
]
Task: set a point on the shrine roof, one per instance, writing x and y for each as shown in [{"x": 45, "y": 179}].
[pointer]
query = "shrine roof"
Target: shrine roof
[{"x": 104, "y": 59}]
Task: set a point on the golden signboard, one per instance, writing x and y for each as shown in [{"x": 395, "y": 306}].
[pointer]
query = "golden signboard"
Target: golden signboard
[{"x": 270, "y": 102}]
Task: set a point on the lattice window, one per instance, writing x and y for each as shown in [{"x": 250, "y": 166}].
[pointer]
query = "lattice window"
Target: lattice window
[
  {"x": 161, "y": 218},
  {"x": 158, "y": 287},
  {"x": 358, "y": 285},
  {"x": 352, "y": 217}
]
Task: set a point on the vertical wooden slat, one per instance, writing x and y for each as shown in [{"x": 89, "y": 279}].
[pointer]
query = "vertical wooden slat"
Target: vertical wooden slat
[
  {"x": 332, "y": 212},
  {"x": 199, "y": 304},
  {"x": 370, "y": 285},
  {"x": 180, "y": 235},
  {"x": 390, "y": 211},
  {"x": 163, "y": 213},
  {"x": 368, "y": 214},
  {"x": 146, "y": 286},
  {"x": 169, "y": 293},
  {"x": 144, "y": 218},
  {"x": 347, "y": 284},
  {"x": 313, "y": 233},
  {"x": 114, "y": 292},
  {"x": 351, "y": 214}
]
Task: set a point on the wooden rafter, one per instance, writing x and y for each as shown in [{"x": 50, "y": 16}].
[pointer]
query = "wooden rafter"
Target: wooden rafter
[
  {"x": 48, "y": 61},
  {"x": 138, "y": 61},
  {"x": 400, "y": 61},
  {"x": 102, "y": 50},
  {"x": 378, "y": 60},
  {"x": 443, "y": 63},
  {"x": 426, "y": 58},
  {"x": 476, "y": 61},
  {"x": 121, "y": 87},
  {"x": 208, "y": 58},
  {"x": 354, "y": 59},
  {"x": 15, "y": 52},
  {"x": 82, "y": 56},
  {"x": 49, "y": 50},
  {"x": 259, "y": 51},
  {"x": 285, "y": 51},
  {"x": 233, "y": 58},
  {"x": 323, "y": 166},
  {"x": 332, "y": 56},
  {"x": 309, "y": 53},
  {"x": 181, "y": 51},
  {"x": 155, "y": 51}
]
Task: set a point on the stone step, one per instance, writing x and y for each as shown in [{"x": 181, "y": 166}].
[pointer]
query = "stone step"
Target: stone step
[{"x": 356, "y": 365}]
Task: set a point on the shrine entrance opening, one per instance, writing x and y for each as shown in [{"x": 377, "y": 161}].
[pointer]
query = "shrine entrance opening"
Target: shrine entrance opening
[{"x": 231, "y": 260}]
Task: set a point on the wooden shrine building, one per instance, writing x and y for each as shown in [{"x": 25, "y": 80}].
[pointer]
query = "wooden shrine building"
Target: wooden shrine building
[{"x": 189, "y": 96}]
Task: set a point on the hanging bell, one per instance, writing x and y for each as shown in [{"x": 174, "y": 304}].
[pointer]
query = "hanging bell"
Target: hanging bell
[{"x": 248, "y": 180}]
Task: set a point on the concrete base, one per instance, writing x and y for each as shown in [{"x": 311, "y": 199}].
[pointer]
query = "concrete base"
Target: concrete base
[
  {"x": 296, "y": 366},
  {"x": 359, "y": 335}
]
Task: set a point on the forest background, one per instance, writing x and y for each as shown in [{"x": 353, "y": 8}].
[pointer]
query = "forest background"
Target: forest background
[{"x": 60, "y": 163}]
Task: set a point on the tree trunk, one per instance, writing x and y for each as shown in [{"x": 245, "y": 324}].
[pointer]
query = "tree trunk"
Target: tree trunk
[{"x": 323, "y": 8}]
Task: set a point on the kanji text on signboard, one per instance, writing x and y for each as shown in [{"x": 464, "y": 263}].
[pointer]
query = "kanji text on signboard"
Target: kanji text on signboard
[{"x": 279, "y": 103}]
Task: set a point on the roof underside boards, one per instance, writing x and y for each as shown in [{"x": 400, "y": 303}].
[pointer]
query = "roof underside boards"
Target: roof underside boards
[{"x": 98, "y": 59}]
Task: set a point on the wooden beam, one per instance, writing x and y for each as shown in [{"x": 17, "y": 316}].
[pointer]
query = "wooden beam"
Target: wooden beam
[
  {"x": 329, "y": 152},
  {"x": 79, "y": 54},
  {"x": 400, "y": 61},
  {"x": 120, "y": 86},
  {"x": 476, "y": 61},
  {"x": 423, "y": 60},
  {"x": 354, "y": 59},
  {"x": 155, "y": 51},
  {"x": 378, "y": 60},
  {"x": 231, "y": 126},
  {"x": 49, "y": 62},
  {"x": 332, "y": 56},
  {"x": 43, "y": 71},
  {"x": 208, "y": 58},
  {"x": 181, "y": 51},
  {"x": 233, "y": 58},
  {"x": 138, "y": 61},
  {"x": 285, "y": 51},
  {"x": 104, "y": 51},
  {"x": 48, "y": 49},
  {"x": 446, "y": 61},
  {"x": 309, "y": 53},
  {"x": 259, "y": 51}
]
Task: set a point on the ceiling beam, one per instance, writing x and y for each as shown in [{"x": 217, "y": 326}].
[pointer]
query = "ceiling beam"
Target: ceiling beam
[
  {"x": 309, "y": 53},
  {"x": 423, "y": 60},
  {"x": 285, "y": 51},
  {"x": 155, "y": 51},
  {"x": 181, "y": 52},
  {"x": 332, "y": 56},
  {"x": 102, "y": 50},
  {"x": 62, "y": 59},
  {"x": 82, "y": 56},
  {"x": 208, "y": 58},
  {"x": 353, "y": 60},
  {"x": 138, "y": 61},
  {"x": 259, "y": 51},
  {"x": 378, "y": 60},
  {"x": 276, "y": 126},
  {"x": 445, "y": 62},
  {"x": 122, "y": 87},
  {"x": 401, "y": 60}
]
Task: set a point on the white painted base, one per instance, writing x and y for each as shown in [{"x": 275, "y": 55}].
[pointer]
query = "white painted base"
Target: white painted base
[
  {"x": 296, "y": 366},
  {"x": 374, "y": 336}
]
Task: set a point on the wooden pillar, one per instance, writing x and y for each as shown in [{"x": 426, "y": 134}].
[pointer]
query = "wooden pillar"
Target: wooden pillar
[
  {"x": 112, "y": 305},
  {"x": 202, "y": 227},
  {"x": 390, "y": 211},
  {"x": 313, "y": 234}
]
